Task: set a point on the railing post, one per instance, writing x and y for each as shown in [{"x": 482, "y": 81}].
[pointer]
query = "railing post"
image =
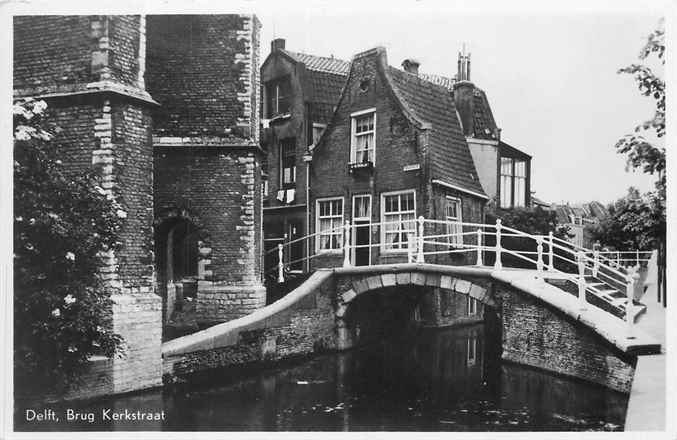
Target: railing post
[
  {"x": 595, "y": 265},
  {"x": 498, "y": 265},
  {"x": 581, "y": 280},
  {"x": 411, "y": 245},
  {"x": 419, "y": 255},
  {"x": 539, "y": 250},
  {"x": 632, "y": 278},
  {"x": 280, "y": 263},
  {"x": 551, "y": 252},
  {"x": 346, "y": 245},
  {"x": 479, "y": 247}
]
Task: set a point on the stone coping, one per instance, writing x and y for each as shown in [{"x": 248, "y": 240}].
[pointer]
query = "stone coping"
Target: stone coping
[{"x": 226, "y": 334}]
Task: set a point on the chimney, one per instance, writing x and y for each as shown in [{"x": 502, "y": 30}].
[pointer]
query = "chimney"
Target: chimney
[
  {"x": 277, "y": 43},
  {"x": 463, "y": 66},
  {"x": 411, "y": 65}
]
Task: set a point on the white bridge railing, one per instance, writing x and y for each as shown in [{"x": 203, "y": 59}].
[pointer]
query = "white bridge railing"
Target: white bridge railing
[{"x": 437, "y": 241}]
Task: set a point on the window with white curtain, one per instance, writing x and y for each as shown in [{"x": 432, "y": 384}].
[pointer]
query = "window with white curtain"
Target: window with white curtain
[
  {"x": 363, "y": 141},
  {"x": 453, "y": 217},
  {"x": 329, "y": 220},
  {"x": 398, "y": 214},
  {"x": 520, "y": 183},
  {"x": 513, "y": 183},
  {"x": 362, "y": 207}
]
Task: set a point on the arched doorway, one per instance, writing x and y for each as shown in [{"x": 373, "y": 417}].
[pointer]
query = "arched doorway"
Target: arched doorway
[{"x": 176, "y": 258}]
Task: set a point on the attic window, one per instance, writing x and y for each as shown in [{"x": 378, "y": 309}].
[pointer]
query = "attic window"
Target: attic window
[{"x": 364, "y": 85}]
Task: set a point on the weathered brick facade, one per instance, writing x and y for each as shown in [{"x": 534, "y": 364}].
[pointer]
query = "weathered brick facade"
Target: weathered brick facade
[
  {"x": 87, "y": 69},
  {"x": 204, "y": 72},
  {"x": 408, "y": 149},
  {"x": 195, "y": 157}
]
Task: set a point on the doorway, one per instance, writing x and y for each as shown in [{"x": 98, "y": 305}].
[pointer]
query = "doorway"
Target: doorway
[{"x": 362, "y": 230}]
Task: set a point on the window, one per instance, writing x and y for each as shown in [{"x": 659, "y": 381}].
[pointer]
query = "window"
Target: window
[
  {"x": 278, "y": 97},
  {"x": 506, "y": 182},
  {"x": 520, "y": 182},
  {"x": 288, "y": 163},
  {"x": 471, "y": 305},
  {"x": 317, "y": 132},
  {"x": 363, "y": 142},
  {"x": 513, "y": 182},
  {"x": 362, "y": 207},
  {"x": 398, "y": 214},
  {"x": 453, "y": 214},
  {"x": 329, "y": 221}
]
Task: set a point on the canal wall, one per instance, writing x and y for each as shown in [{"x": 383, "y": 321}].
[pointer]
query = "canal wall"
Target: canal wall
[{"x": 542, "y": 326}]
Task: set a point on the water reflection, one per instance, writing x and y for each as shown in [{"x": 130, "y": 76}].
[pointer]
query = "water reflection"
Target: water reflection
[{"x": 428, "y": 380}]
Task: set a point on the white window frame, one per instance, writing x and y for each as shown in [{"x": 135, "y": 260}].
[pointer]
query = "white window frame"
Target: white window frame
[
  {"x": 319, "y": 234},
  {"x": 384, "y": 248},
  {"x": 523, "y": 186},
  {"x": 353, "y": 134},
  {"x": 456, "y": 241},
  {"x": 359, "y": 196},
  {"x": 509, "y": 182}
]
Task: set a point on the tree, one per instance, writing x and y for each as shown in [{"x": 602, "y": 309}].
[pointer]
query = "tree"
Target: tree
[
  {"x": 62, "y": 222},
  {"x": 644, "y": 155},
  {"x": 641, "y": 153}
]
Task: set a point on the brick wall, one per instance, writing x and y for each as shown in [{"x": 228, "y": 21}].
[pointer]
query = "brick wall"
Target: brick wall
[
  {"x": 112, "y": 132},
  {"x": 534, "y": 334},
  {"x": 213, "y": 61}
]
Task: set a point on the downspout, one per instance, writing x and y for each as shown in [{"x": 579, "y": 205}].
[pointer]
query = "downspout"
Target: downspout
[{"x": 307, "y": 158}]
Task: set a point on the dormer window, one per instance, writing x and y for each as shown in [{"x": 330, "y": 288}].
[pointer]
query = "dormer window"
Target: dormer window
[
  {"x": 363, "y": 139},
  {"x": 278, "y": 97}
]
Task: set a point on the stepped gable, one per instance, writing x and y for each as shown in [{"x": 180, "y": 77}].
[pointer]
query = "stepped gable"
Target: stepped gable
[{"x": 450, "y": 158}]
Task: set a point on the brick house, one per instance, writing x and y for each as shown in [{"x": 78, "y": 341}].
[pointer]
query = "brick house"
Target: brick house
[
  {"x": 166, "y": 108},
  {"x": 504, "y": 171},
  {"x": 394, "y": 150},
  {"x": 299, "y": 94}
]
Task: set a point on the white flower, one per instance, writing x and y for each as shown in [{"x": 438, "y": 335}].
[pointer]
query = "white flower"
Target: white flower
[
  {"x": 121, "y": 213},
  {"x": 56, "y": 313},
  {"x": 72, "y": 349},
  {"x": 70, "y": 256},
  {"x": 69, "y": 299},
  {"x": 58, "y": 162},
  {"x": 100, "y": 190},
  {"x": 19, "y": 219},
  {"x": 39, "y": 106}
]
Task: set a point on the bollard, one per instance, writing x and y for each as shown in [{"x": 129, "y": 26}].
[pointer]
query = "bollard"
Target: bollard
[
  {"x": 551, "y": 252},
  {"x": 539, "y": 261},
  {"x": 581, "y": 280},
  {"x": 497, "y": 264},
  {"x": 280, "y": 264},
  {"x": 419, "y": 255},
  {"x": 346, "y": 245},
  {"x": 632, "y": 278},
  {"x": 479, "y": 247}
]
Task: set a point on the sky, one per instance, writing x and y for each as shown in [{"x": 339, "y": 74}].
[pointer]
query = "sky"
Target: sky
[{"x": 551, "y": 78}]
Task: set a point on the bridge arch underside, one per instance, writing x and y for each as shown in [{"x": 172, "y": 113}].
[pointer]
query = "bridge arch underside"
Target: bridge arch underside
[{"x": 533, "y": 332}]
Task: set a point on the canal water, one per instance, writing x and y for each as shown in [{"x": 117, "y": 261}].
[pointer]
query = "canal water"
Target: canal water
[{"x": 426, "y": 380}]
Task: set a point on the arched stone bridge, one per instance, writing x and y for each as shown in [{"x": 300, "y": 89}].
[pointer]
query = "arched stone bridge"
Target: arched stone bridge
[{"x": 542, "y": 326}]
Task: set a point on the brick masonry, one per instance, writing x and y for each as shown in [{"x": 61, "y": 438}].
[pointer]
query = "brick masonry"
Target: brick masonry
[
  {"x": 319, "y": 318},
  {"x": 87, "y": 69},
  {"x": 206, "y": 155},
  {"x": 537, "y": 335}
]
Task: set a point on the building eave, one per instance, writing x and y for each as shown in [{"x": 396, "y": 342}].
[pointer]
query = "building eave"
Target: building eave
[{"x": 458, "y": 188}]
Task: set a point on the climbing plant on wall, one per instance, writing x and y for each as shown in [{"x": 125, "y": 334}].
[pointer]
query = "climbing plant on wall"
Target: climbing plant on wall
[{"x": 62, "y": 221}]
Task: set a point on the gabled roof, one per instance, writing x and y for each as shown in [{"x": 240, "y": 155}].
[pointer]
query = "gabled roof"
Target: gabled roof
[
  {"x": 325, "y": 77},
  {"x": 450, "y": 158},
  {"x": 320, "y": 64},
  {"x": 475, "y": 111}
]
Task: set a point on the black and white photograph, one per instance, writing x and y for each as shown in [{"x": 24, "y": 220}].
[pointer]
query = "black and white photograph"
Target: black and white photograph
[{"x": 337, "y": 216}]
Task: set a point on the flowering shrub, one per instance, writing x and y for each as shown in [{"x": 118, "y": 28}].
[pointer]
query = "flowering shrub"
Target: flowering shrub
[{"x": 62, "y": 223}]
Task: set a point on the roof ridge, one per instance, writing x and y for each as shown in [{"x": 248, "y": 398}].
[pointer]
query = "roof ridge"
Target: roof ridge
[{"x": 319, "y": 63}]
